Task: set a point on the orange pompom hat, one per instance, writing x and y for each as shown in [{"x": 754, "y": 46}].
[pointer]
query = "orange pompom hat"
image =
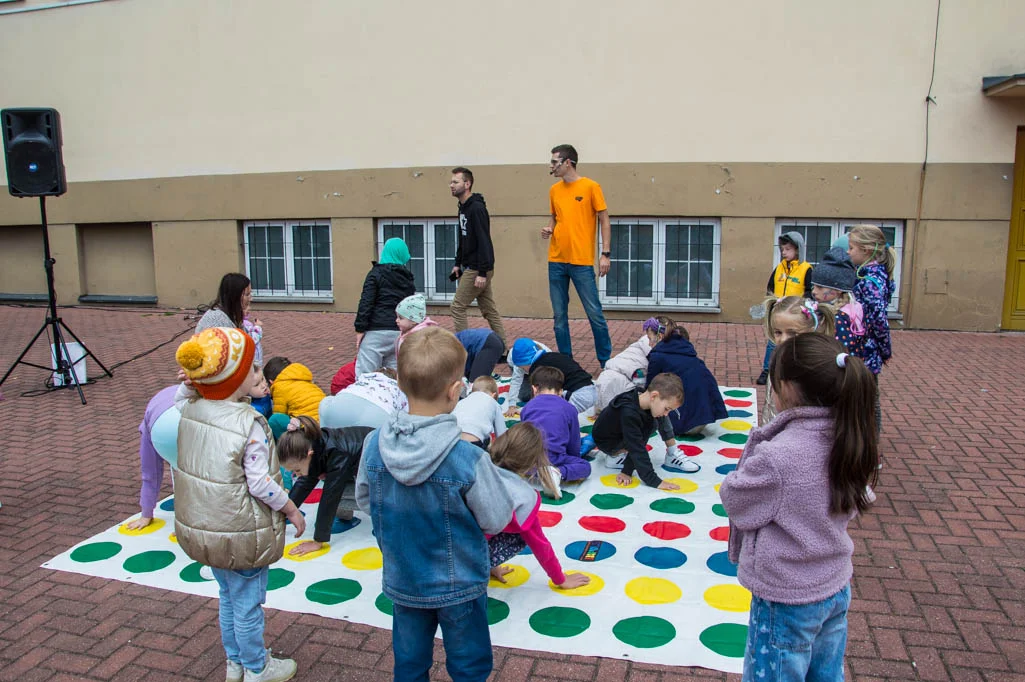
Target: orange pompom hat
[{"x": 216, "y": 361}]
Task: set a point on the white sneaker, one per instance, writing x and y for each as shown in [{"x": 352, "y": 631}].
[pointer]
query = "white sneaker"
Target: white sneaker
[
  {"x": 557, "y": 480},
  {"x": 276, "y": 670},
  {"x": 615, "y": 462},
  {"x": 683, "y": 463},
  {"x": 235, "y": 672}
]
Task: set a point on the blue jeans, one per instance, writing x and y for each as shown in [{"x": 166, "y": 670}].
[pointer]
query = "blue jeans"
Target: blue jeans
[
  {"x": 241, "y": 615},
  {"x": 464, "y": 632},
  {"x": 559, "y": 276},
  {"x": 769, "y": 347},
  {"x": 803, "y": 642}
]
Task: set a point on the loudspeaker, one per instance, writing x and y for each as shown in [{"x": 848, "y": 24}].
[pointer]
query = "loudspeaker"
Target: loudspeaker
[{"x": 32, "y": 150}]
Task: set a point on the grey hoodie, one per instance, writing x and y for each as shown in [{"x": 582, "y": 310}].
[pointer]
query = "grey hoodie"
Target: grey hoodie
[{"x": 797, "y": 238}]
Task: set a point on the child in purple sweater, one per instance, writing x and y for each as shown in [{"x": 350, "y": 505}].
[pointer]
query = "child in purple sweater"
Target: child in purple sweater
[
  {"x": 557, "y": 420},
  {"x": 801, "y": 479}
]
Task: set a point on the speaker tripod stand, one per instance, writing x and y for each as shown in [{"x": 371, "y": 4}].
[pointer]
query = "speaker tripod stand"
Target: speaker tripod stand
[{"x": 55, "y": 325}]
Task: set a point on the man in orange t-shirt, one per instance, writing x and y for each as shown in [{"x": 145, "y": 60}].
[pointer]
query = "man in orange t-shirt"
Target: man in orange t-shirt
[{"x": 576, "y": 203}]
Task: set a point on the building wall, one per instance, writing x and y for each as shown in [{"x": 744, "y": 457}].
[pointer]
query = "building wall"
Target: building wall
[{"x": 350, "y": 112}]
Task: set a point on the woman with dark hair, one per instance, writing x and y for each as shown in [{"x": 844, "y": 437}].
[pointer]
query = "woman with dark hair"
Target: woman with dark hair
[{"x": 231, "y": 306}]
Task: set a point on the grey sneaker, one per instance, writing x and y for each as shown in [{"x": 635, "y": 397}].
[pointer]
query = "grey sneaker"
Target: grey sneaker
[
  {"x": 615, "y": 462},
  {"x": 276, "y": 670},
  {"x": 235, "y": 672}
]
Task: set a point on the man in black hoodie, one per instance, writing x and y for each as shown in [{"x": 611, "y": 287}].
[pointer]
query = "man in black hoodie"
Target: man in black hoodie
[{"x": 475, "y": 255}]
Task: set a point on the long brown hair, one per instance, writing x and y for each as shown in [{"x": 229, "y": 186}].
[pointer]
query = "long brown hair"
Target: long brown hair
[
  {"x": 229, "y": 296},
  {"x": 295, "y": 445},
  {"x": 521, "y": 450},
  {"x": 811, "y": 364}
]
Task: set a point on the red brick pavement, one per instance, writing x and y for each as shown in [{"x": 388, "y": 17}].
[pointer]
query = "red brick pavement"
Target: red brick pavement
[{"x": 939, "y": 562}]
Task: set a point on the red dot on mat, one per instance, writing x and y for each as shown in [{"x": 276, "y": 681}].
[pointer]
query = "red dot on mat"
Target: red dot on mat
[
  {"x": 314, "y": 496},
  {"x": 690, "y": 450},
  {"x": 666, "y": 530},
  {"x": 505, "y": 389},
  {"x": 733, "y": 402},
  {"x": 721, "y": 533},
  {"x": 732, "y": 453},
  {"x": 648, "y": 447},
  {"x": 602, "y": 524},
  {"x": 548, "y": 518}
]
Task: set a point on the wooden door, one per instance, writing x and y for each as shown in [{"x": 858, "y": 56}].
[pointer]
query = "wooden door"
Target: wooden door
[{"x": 1014, "y": 289}]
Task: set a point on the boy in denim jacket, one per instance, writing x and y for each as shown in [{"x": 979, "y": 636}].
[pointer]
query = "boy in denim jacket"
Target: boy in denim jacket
[{"x": 431, "y": 497}]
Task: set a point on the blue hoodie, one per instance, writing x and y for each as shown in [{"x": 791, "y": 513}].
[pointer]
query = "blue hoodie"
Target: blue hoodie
[{"x": 702, "y": 402}]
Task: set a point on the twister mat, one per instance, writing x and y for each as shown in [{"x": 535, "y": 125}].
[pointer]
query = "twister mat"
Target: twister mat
[{"x": 661, "y": 591}]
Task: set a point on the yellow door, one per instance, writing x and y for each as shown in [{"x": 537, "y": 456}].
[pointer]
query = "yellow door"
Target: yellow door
[{"x": 1014, "y": 289}]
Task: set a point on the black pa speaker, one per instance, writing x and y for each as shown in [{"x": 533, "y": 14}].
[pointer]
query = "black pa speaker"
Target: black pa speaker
[{"x": 32, "y": 150}]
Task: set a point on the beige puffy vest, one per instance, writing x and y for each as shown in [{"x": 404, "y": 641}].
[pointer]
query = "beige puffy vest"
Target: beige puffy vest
[{"x": 217, "y": 522}]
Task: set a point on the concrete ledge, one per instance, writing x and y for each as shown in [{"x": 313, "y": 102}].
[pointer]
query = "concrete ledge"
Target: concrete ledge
[
  {"x": 104, "y": 298},
  {"x": 24, "y": 298}
]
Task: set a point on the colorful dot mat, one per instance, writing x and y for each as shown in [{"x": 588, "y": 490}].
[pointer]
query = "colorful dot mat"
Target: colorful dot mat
[{"x": 662, "y": 589}]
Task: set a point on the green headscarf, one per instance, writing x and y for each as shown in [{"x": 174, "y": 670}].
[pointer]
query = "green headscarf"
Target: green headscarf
[{"x": 395, "y": 252}]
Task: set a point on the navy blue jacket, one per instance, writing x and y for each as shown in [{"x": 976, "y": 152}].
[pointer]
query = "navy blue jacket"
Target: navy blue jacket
[{"x": 702, "y": 402}]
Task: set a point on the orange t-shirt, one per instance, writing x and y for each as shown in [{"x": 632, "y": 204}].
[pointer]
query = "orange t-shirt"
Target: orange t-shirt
[{"x": 575, "y": 206}]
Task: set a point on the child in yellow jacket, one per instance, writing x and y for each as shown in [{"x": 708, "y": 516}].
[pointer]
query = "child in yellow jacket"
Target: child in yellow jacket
[
  {"x": 792, "y": 277},
  {"x": 292, "y": 391}
]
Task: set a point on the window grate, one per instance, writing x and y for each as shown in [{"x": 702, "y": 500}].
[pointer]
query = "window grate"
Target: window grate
[{"x": 289, "y": 258}]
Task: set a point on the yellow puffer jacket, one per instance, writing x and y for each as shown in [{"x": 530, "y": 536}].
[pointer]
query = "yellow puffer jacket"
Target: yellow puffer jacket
[{"x": 294, "y": 392}]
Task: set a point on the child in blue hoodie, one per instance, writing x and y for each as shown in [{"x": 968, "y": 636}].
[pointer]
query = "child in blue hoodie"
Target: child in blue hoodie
[{"x": 432, "y": 497}]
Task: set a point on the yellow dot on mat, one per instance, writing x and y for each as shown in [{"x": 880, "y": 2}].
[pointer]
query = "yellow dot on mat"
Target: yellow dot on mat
[
  {"x": 728, "y": 598},
  {"x": 173, "y": 538},
  {"x": 517, "y": 577},
  {"x": 153, "y": 527},
  {"x": 652, "y": 591},
  {"x": 609, "y": 481},
  {"x": 686, "y": 485},
  {"x": 594, "y": 587},
  {"x": 367, "y": 559},
  {"x": 716, "y": 486},
  {"x": 324, "y": 549},
  {"x": 735, "y": 425}
]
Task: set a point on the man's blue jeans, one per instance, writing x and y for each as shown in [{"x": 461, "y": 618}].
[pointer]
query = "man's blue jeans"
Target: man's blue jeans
[
  {"x": 241, "y": 615},
  {"x": 559, "y": 276},
  {"x": 464, "y": 632},
  {"x": 804, "y": 642},
  {"x": 769, "y": 347}
]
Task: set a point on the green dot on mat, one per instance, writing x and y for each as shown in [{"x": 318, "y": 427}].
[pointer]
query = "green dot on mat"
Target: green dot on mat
[
  {"x": 333, "y": 591},
  {"x": 384, "y": 605},
  {"x": 190, "y": 574},
  {"x": 586, "y": 429},
  {"x": 566, "y": 498},
  {"x": 737, "y": 393},
  {"x": 734, "y": 438},
  {"x": 559, "y": 621},
  {"x": 278, "y": 578},
  {"x": 644, "y": 632},
  {"x": 95, "y": 551},
  {"x": 509, "y": 423},
  {"x": 150, "y": 561},
  {"x": 725, "y": 639},
  {"x": 719, "y": 510},
  {"x": 672, "y": 505},
  {"x": 497, "y": 611},
  {"x": 611, "y": 501},
  {"x": 691, "y": 438}
]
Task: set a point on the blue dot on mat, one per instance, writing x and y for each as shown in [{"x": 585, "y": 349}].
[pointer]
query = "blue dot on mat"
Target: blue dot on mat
[
  {"x": 168, "y": 504},
  {"x": 725, "y": 468},
  {"x": 340, "y": 526},
  {"x": 526, "y": 551},
  {"x": 660, "y": 557},
  {"x": 720, "y": 563},
  {"x": 738, "y": 413},
  {"x": 593, "y": 550}
]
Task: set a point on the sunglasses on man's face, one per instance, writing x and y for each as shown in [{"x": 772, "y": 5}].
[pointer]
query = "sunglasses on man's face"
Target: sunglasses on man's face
[{"x": 556, "y": 162}]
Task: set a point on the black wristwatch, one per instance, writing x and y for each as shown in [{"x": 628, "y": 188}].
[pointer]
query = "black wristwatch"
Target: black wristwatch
[{"x": 607, "y": 254}]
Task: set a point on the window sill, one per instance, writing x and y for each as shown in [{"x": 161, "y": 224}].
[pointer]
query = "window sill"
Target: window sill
[
  {"x": 712, "y": 310},
  {"x": 104, "y": 298},
  {"x": 293, "y": 299}
]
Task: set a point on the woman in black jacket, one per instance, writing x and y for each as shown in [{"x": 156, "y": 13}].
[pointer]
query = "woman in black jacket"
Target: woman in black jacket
[
  {"x": 314, "y": 454},
  {"x": 387, "y": 283}
]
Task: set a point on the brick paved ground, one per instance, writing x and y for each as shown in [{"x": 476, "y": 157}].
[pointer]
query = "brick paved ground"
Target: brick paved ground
[{"x": 939, "y": 563}]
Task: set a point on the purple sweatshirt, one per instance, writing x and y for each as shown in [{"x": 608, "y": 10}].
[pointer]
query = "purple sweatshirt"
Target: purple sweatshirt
[
  {"x": 559, "y": 423},
  {"x": 151, "y": 465},
  {"x": 789, "y": 547}
]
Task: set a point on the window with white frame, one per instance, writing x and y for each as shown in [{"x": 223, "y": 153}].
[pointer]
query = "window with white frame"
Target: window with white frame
[
  {"x": 820, "y": 234},
  {"x": 432, "y": 250},
  {"x": 665, "y": 261},
  {"x": 289, "y": 258}
]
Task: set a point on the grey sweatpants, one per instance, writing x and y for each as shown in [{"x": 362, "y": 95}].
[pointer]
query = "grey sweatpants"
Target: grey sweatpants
[{"x": 376, "y": 350}]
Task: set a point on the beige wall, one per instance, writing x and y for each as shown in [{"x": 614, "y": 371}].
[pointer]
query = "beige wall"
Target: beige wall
[
  {"x": 117, "y": 259},
  {"x": 190, "y": 257},
  {"x": 21, "y": 260},
  {"x": 402, "y": 85}
]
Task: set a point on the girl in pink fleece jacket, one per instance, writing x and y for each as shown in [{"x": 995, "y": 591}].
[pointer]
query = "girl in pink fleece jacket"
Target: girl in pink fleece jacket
[
  {"x": 801, "y": 479},
  {"x": 519, "y": 453}
]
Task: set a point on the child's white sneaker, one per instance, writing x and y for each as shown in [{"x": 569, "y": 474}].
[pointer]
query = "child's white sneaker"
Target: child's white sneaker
[
  {"x": 276, "y": 670},
  {"x": 683, "y": 463},
  {"x": 615, "y": 462},
  {"x": 556, "y": 475},
  {"x": 235, "y": 672}
]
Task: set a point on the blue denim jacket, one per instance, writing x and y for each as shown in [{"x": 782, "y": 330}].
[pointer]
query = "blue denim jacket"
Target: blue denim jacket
[{"x": 431, "y": 498}]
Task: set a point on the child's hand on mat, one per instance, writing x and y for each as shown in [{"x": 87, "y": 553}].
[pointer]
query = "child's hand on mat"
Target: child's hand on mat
[
  {"x": 298, "y": 520},
  {"x": 666, "y": 485},
  {"x": 623, "y": 479},
  {"x": 499, "y": 573},
  {"x": 574, "y": 580},
  {"x": 305, "y": 547},
  {"x": 513, "y": 412},
  {"x": 139, "y": 523}
]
